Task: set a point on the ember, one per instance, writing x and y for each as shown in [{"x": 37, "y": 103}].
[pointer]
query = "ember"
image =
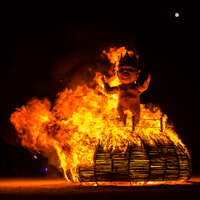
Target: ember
[{"x": 82, "y": 136}]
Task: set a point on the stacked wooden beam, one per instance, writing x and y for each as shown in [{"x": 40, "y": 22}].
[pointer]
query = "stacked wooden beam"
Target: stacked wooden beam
[{"x": 139, "y": 164}]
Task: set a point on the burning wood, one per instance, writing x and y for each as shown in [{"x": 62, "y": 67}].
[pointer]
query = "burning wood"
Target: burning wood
[
  {"x": 139, "y": 164},
  {"x": 82, "y": 136}
]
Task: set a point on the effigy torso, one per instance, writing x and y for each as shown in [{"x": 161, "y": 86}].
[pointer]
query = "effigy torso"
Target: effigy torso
[{"x": 129, "y": 97}]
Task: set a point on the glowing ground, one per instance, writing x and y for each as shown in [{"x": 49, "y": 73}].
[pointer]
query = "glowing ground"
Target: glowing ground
[{"x": 60, "y": 189}]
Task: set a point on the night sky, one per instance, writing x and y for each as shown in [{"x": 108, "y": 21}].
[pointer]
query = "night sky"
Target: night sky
[{"x": 40, "y": 56}]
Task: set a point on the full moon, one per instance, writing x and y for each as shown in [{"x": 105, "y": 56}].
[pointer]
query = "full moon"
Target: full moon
[{"x": 176, "y": 14}]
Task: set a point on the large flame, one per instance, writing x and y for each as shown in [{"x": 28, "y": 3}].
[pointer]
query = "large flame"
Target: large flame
[{"x": 83, "y": 118}]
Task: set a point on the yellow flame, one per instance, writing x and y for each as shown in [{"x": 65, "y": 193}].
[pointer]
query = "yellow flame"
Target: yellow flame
[{"x": 83, "y": 118}]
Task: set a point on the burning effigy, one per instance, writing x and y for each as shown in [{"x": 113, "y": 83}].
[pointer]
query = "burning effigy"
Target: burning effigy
[
  {"x": 104, "y": 134},
  {"x": 128, "y": 90}
]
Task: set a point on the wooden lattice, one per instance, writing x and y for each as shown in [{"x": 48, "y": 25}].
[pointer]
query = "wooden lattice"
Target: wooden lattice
[{"x": 139, "y": 164}]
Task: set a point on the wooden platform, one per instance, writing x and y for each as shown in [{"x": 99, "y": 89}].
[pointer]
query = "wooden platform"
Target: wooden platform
[{"x": 139, "y": 164}]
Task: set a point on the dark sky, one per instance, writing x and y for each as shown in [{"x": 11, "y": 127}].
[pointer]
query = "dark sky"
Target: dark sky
[{"x": 36, "y": 53}]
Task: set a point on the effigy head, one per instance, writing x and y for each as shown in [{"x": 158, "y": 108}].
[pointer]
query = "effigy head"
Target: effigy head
[{"x": 128, "y": 70}]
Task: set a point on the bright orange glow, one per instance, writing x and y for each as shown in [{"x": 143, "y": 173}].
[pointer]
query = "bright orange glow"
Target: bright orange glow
[
  {"x": 30, "y": 183},
  {"x": 114, "y": 54},
  {"x": 83, "y": 118},
  {"x": 39, "y": 183}
]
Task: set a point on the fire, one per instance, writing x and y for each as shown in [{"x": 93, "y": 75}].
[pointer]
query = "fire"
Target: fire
[
  {"x": 81, "y": 119},
  {"x": 114, "y": 54}
]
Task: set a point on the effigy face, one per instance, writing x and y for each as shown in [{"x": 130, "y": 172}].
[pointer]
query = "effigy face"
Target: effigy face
[{"x": 128, "y": 74}]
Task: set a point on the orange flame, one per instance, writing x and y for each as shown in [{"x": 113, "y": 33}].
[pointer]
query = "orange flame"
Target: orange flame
[{"x": 83, "y": 118}]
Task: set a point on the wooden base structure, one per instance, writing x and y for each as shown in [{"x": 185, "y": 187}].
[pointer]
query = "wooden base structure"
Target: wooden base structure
[{"x": 139, "y": 164}]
